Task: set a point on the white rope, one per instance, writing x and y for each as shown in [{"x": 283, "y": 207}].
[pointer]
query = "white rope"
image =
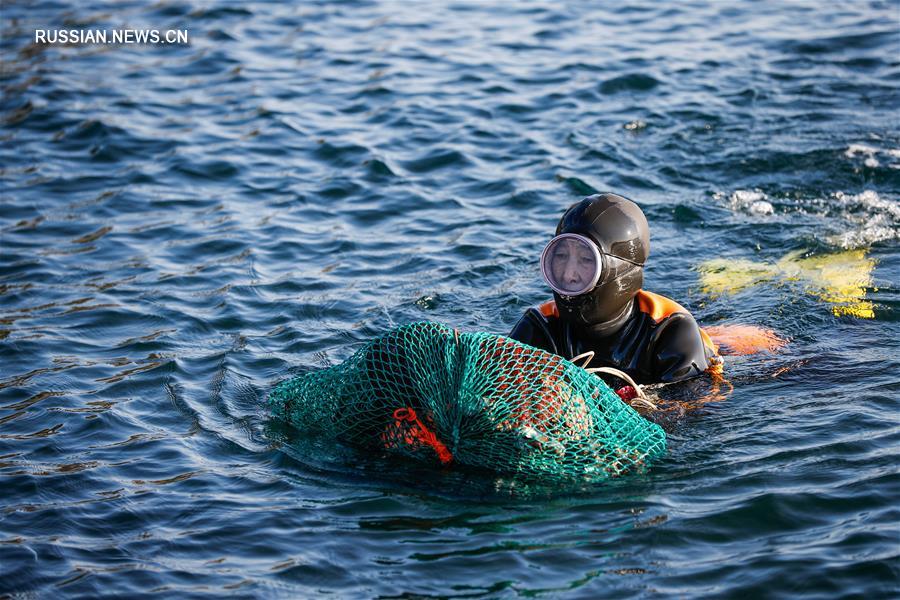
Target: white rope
[
  {"x": 588, "y": 356},
  {"x": 641, "y": 400}
]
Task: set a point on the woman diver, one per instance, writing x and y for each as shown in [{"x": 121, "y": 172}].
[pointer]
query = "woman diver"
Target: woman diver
[{"x": 595, "y": 266}]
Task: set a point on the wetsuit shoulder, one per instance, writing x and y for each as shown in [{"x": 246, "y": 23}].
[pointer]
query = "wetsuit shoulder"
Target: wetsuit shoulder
[
  {"x": 656, "y": 306},
  {"x": 680, "y": 349},
  {"x": 679, "y": 352},
  {"x": 537, "y": 326}
]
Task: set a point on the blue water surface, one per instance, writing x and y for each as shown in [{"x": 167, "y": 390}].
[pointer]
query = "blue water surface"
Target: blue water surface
[{"x": 182, "y": 226}]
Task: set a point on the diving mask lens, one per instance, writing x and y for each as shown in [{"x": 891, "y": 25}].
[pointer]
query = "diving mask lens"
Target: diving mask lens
[{"x": 571, "y": 264}]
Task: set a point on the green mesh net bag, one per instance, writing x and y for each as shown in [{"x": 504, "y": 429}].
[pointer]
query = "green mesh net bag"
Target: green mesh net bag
[{"x": 428, "y": 392}]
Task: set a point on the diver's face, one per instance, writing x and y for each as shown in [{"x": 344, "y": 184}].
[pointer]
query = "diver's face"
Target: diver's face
[{"x": 573, "y": 265}]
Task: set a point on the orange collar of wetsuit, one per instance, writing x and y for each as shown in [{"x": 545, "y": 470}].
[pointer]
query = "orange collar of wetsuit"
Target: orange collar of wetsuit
[{"x": 656, "y": 306}]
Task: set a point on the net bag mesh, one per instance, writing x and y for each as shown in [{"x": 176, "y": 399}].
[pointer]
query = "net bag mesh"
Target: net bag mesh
[{"x": 428, "y": 392}]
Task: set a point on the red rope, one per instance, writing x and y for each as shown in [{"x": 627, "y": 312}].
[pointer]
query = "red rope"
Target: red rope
[{"x": 421, "y": 433}]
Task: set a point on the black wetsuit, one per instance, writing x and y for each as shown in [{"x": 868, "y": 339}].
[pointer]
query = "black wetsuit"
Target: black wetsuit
[{"x": 659, "y": 342}]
